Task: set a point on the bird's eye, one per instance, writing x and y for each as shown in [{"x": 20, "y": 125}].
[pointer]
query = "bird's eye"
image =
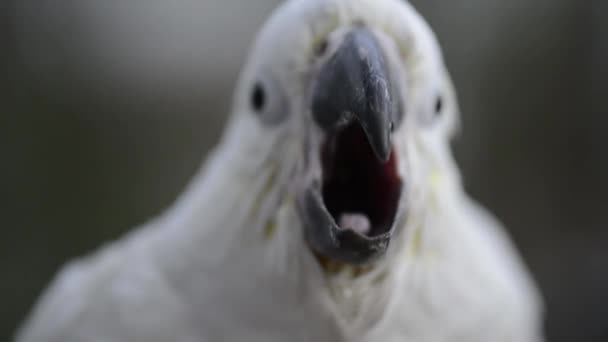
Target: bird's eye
[
  {"x": 258, "y": 97},
  {"x": 267, "y": 100},
  {"x": 433, "y": 112},
  {"x": 321, "y": 47},
  {"x": 438, "y": 105}
]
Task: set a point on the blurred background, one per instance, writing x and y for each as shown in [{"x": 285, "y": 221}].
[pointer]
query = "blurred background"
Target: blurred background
[{"x": 107, "y": 108}]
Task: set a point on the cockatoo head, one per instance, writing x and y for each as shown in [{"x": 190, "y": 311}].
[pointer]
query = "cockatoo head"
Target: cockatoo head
[{"x": 349, "y": 103}]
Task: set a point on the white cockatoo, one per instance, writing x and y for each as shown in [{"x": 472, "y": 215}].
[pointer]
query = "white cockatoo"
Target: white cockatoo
[{"x": 332, "y": 209}]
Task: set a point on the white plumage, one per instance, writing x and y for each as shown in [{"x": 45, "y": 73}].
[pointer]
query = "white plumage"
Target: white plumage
[{"x": 229, "y": 261}]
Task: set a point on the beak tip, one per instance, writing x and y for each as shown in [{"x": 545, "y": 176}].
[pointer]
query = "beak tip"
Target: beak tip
[
  {"x": 381, "y": 145},
  {"x": 384, "y": 153}
]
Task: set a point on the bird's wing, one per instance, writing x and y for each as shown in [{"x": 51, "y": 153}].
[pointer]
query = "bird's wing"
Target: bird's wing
[
  {"x": 524, "y": 300},
  {"x": 117, "y": 294}
]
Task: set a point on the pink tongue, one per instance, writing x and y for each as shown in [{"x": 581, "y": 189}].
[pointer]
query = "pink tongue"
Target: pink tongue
[{"x": 358, "y": 222}]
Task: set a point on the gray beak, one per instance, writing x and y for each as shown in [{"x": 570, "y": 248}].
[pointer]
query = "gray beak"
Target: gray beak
[{"x": 354, "y": 84}]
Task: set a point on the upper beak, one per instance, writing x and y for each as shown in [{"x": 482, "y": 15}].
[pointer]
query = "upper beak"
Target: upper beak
[{"x": 355, "y": 84}]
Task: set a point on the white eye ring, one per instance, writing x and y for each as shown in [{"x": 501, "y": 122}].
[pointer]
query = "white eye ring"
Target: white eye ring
[
  {"x": 268, "y": 101},
  {"x": 434, "y": 111}
]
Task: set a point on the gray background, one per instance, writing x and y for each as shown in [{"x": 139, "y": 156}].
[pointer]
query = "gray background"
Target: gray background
[{"x": 107, "y": 108}]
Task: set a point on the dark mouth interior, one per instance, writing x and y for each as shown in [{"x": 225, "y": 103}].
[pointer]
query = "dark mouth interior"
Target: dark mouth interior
[{"x": 357, "y": 186}]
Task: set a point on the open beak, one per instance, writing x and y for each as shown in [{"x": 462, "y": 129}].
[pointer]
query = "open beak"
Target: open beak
[{"x": 349, "y": 213}]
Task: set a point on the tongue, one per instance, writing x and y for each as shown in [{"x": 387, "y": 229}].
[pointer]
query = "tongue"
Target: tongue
[{"x": 355, "y": 221}]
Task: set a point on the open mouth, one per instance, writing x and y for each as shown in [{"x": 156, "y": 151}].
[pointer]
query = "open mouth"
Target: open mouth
[
  {"x": 350, "y": 212},
  {"x": 360, "y": 192}
]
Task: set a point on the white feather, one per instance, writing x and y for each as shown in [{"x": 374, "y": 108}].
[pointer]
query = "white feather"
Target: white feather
[{"x": 228, "y": 261}]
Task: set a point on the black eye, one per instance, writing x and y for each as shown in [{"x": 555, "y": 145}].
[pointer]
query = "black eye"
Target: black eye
[
  {"x": 258, "y": 97},
  {"x": 268, "y": 100},
  {"x": 321, "y": 47},
  {"x": 438, "y": 105}
]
